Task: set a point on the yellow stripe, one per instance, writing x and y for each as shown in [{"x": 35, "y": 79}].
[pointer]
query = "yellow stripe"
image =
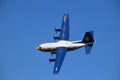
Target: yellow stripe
[{"x": 65, "y": 18}]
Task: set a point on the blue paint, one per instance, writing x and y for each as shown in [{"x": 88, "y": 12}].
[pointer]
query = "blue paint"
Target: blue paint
[
  {"x": 61, "y": 52},
  {"x": 64, "y": 34}
]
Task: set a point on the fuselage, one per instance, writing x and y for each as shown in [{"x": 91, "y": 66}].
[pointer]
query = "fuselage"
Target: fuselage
[{"x": 71, "y": 45}]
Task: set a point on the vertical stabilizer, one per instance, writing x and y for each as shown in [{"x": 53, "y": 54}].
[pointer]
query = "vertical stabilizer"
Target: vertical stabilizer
[{"x": 88, "y": 40}]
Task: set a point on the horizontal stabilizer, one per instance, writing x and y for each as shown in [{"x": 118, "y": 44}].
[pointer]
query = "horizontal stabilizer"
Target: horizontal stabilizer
[{"x": 88, "y": 49}]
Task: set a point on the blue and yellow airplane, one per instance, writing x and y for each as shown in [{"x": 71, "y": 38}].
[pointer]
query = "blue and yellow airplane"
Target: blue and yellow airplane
[{"x": 63, "y": 44}]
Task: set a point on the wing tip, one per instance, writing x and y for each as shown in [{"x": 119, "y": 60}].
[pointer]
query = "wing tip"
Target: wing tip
[{"x": 56, "y": 70}]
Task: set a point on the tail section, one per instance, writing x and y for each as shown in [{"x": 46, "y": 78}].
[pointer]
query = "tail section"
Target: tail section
[{"x": 88, "y": 40}]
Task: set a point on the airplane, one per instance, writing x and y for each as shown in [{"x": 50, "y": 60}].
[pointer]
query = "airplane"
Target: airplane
[{"x": 63, "y": 45}]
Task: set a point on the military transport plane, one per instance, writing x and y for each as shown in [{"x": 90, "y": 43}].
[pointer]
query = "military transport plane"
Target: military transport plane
[{"x": 63, "y": 44}]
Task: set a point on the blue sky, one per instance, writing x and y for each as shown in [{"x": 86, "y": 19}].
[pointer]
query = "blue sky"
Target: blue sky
[{"x": 24, "y": 24}]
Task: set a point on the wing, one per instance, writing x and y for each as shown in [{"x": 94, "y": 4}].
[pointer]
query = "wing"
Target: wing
[
  {"x": 61, "y": 52},
  {"x": 64, "y": 34}
]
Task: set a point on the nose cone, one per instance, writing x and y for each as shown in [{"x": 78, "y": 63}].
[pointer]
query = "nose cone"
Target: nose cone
[{"x": 38, "y": 48}]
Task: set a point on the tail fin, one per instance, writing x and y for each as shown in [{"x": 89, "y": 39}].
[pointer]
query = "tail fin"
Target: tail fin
[{"x": 88, "y": 40}]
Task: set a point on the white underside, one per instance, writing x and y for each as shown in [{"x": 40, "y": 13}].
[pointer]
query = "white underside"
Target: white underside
[{"x": 62, "y": 43}]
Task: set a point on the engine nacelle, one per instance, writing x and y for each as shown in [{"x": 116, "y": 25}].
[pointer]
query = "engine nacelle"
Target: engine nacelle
[
  {"x": 56, "y": 38},
  {"x": 57, "y": 30},
  {"x": 51, "y": 60},
  {"x": 53, "y": 52}
]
